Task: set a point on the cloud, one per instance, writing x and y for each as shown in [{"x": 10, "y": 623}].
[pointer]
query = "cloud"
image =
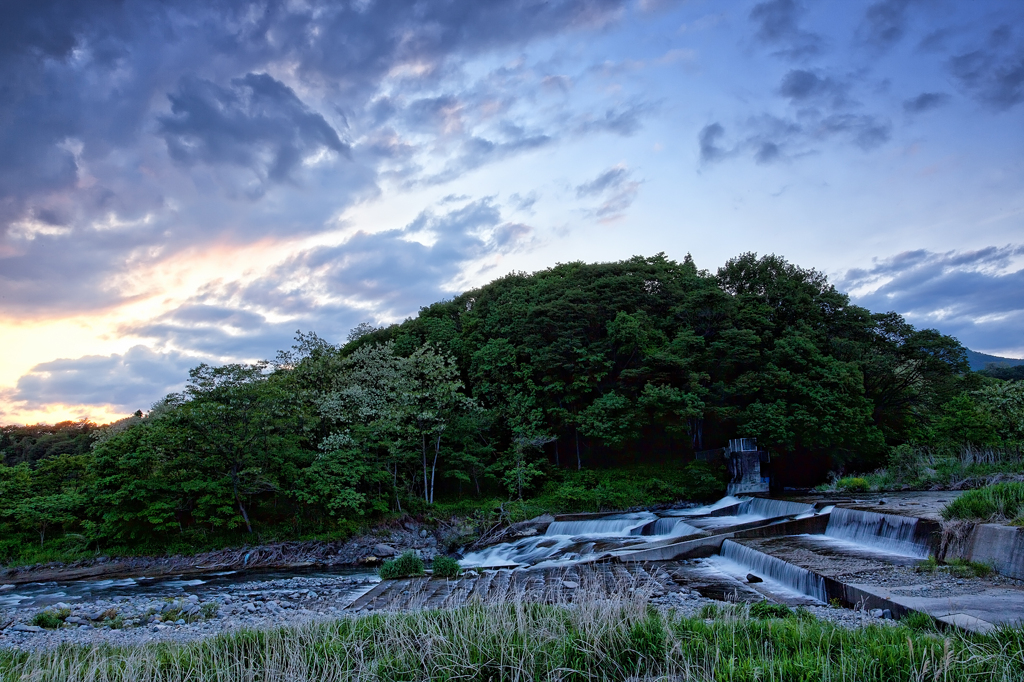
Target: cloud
[
  {"x": 926, "y": 101},
  {"x": 142, "y": 129},
  {"x": 801, "y": 86},
  {"x": 778, "y": 24},
  {"x": 973, "y": 295},
  {"x": 885, "y": 23},
  {"x": 129, "y": 381},
  {"x": 708, "y": 142},
  {"x": 616, "y": 189},
  {"x": 994, "y": 74},
  {"x": 258, "y": 124}
]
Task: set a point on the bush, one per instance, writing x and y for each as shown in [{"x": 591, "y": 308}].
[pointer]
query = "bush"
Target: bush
[
  {"x": 404, "y": 566},
  {"x": 853, "y": 485},
  {"x": 999, "y": 502},
  {"x": 446, "y": 567},
  {"x": 51, "y": 620},
  {"x": 767, "y": 609}
]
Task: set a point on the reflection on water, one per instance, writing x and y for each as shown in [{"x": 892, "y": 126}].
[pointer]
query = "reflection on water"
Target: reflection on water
[{"x": 31, "y": 595}]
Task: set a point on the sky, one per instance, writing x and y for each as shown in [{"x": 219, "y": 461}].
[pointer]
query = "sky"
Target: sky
[{"x": 187, "y": 182}]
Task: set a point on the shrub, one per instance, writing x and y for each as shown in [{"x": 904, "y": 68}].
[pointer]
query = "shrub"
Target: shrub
[
  {"x": 767, "y": 609},
  {"x": 853, "y": 485},
  {"x": 446, "y": 567},
  {"x": 999, "y": 502},
  {"x": 51, "y": 620},
  {"x": 404, "y": 566},
  {"x": 969, "y": 569}
]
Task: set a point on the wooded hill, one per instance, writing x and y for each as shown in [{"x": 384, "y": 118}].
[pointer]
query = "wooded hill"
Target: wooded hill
[{"x": 505, "y": 391}]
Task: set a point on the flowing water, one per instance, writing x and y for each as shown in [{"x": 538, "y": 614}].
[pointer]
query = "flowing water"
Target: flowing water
[
  {"x": 738, "y": 560},
  {"x": 886, "y": 532},
  {"x": 572, "y": 541},
  {"x": 31, "y": 595}
]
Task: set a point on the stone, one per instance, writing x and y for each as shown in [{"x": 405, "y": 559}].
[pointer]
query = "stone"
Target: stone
[
  {"x": 96, "y": 615},
  {"x": 751, "y": 578},
  {"x": 570, "y": 584},
  {"x": 876, "y": 613},
  {"x": 21, "y": 627},
  {"x": 75, "y": 620},
  {"x": 424, "y": 533},
  {"x": 384, "y": 550},
  {"x": 887, "y": 614}
]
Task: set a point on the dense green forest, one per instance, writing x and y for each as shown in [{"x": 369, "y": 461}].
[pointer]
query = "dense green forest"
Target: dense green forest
[{"x": 590, "y": 385}]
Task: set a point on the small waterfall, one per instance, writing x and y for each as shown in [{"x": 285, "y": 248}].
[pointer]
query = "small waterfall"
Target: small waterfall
[
  {"x": 727, "y": 501},
  {"x": 889, "y": 532},
  {"x": 609, "y": 525},
  {"x": 765, "y": 566},
  {"x": 771, "y": 509},
  {"x": 673, "y": 527}
]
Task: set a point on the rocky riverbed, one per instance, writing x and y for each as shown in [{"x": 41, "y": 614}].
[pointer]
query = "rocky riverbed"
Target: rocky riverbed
[
  {"x": 261, "y": 604},
  {"x": 126, "y": 620}
]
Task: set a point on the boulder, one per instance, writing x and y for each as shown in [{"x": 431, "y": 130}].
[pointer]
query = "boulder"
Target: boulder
[
  {"x": 383, "y": 550},
  {"x": 570, "y": 585},
  {"x": 21, "y": 627},
  {"x": 751, "y": 578}
]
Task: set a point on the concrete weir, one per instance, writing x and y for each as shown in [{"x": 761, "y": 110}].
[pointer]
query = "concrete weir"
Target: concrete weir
[{"x": 863, "y": 553}]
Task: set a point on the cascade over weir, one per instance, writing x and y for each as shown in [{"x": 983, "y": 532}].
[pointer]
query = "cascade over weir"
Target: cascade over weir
[{"x": 860, "y": 552}]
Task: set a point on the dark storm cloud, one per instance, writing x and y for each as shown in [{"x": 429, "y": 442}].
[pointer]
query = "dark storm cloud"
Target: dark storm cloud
[
  {"x": 973, "y": 295},
  {"x": 258, "y": 123},
  {"x": 166, "y": 114},
  {"x": 129, "y": 381},
  {"x": 778, "y": 25},
  {"x": 993, "y": 74},
  {"x": 926, "y": 101}
]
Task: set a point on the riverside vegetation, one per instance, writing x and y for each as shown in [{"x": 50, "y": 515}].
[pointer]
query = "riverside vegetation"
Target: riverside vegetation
[
  {"x": 578, "y": 388},
  {"x": 586, "y": 639}
]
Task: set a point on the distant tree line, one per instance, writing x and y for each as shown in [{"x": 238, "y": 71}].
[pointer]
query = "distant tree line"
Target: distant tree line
[{"x": 497, "y": 392}]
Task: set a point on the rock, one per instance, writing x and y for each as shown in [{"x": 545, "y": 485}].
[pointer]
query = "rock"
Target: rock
[
  {"x": 61, "y": 605},
  {"x": 312, "y": 594},
  {"x": 75, "y": 620},
  {"x": 570, "y": 584},
  {"x": 424, "y": 533},
  {"x": 21, "y": 627},
  {"x": 96, "y": 615},
  {"x": 383, "y": 550},
  {"x": 250, "y": 607},
  {"x": 751, "y": 578},
  {"x": 876, "y": 613},
  {"x": 887, "y": 614}
]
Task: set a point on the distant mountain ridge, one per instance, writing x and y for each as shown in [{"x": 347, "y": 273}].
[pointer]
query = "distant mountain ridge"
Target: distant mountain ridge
[{"x": 981, "y": 360}]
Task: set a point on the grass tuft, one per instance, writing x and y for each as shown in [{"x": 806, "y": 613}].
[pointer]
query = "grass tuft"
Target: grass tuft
[
  {"x": 408, "y": 564},
  {"x": 446, "y": 567},
  {"x": 1002, "y": 502}
]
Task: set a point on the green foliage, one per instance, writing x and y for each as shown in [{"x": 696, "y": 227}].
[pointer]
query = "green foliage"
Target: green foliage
[
  {"x": 853, "y": 484},
  {"x": 1002, "y": 502},
  {"x": 613, "y": 641},
  {"x": 962, "y": 568},
  {"x": 408, "y": 564},
  {"x": 767, "y": 609},
  {"x": 51, "y": 619},
  {"x": 445, "y": 567},
  {"x": 577, "y": 388},
  {"x": 919, "y": 622}
]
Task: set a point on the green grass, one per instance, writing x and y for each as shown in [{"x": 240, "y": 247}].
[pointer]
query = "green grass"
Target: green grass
[
  {"x": 408, "y": 564},
  {"x": 616, "y": 639},
  {"x": 51, "y": 619},
  {"x": 445, "y": 567},
  {"x": 1002, "y": 502}
]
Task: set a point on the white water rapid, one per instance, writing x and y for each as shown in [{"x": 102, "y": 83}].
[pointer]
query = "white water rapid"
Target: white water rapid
[
  {"x": 577, "y": 540},
  {"x": 887, "y": 532},
  {"x": 738, "y": 560}
]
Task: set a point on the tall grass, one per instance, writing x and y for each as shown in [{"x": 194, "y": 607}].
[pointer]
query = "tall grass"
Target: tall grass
[
  {"x": 621, "y": 638},
  {"x": 1000, "y": 502}
]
